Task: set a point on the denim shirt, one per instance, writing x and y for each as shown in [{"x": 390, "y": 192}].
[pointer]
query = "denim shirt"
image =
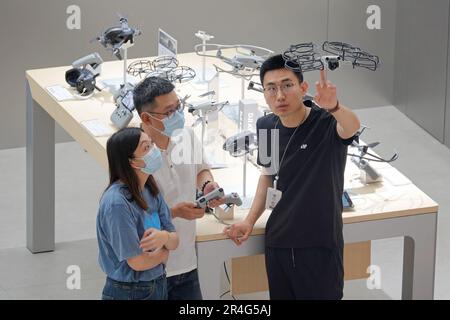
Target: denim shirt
[{"x": 120, "y": 227}]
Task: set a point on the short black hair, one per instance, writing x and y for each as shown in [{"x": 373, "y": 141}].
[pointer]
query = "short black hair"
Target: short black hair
[
  {"x": 277, "y": 62},
  {"x": 148, "y": 89}
]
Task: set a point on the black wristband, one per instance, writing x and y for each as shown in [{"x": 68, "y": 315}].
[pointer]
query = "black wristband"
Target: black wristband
[{"x": 335, "y": 108}]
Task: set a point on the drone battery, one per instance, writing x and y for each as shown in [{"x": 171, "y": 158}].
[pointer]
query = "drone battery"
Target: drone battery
[{"x": 248, "y": 114}]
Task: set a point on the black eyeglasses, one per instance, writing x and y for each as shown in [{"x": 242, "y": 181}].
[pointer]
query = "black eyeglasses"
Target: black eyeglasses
[
  {"x": 179, "y": 108},
  {"x": 272, "y": 90}
]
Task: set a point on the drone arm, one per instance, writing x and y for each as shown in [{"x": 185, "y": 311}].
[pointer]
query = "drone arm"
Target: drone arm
[
  {"x": 253, "y": 49},
  {"x": 209, "y": 46}
]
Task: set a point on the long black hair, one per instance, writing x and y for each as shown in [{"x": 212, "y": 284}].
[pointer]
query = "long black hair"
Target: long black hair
[{"x": 120, "y": 149}]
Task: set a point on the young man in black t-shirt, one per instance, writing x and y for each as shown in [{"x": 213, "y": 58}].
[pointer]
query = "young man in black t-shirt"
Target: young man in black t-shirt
[{"x": 302, "y": 148}]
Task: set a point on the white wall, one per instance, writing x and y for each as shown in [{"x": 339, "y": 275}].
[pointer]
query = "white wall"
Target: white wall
[{"x": 34, "y": 35}]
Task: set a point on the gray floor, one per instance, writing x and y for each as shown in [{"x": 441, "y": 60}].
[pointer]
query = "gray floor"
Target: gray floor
[{"x": 80, "y": 181}]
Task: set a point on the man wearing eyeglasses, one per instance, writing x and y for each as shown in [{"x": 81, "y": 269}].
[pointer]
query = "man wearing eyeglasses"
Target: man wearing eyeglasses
[
  {"x": 179, "y": 177},
  {"x": 302, "y": 182}
]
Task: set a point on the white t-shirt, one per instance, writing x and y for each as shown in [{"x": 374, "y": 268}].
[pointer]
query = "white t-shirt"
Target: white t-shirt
[{"x": 177, "y": 181}]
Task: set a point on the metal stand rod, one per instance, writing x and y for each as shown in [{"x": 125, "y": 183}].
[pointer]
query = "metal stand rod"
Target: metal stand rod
[
  {"x": 204, "y": 60},
  {"x": 125, "y": 57},
  {"x": 244, "y": 170}
]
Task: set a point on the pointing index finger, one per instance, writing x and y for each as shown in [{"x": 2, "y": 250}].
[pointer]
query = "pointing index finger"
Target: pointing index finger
[{"x": 323, "y": 79}]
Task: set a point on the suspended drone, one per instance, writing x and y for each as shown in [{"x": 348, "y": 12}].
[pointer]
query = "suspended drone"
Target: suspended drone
[
  {"x": 165, "y": 66},
  {"x": 245, "y": 62},
  {"x": 304, "y": 57},
  {"x": 115, "y": 38}
]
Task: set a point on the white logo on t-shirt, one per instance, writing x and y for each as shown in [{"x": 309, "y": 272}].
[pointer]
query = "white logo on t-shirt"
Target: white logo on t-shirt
[{"x": 304, "y": 146}]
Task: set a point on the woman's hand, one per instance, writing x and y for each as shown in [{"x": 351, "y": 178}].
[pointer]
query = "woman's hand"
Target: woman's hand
[{"x": 154, "y": 239}]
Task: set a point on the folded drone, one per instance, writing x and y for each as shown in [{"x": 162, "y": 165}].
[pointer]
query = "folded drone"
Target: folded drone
[{"x": 116, "y": 37}]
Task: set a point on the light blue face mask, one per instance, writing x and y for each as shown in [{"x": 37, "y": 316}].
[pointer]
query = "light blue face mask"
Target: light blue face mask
[
  {"x": 172, "y": 123},
  {"x": 153, "y": 161}
]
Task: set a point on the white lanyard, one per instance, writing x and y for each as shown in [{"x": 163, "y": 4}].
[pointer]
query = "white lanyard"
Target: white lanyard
[{"x": 277, "y": 176}]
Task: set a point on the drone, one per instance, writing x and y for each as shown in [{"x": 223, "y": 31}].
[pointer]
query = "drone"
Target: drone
[
  {"x": 363, "y": 158},
  {"x": 117, "y": 37},
  {"x": 247, "y": 60},
  {"x": 241, "y": 143},
  {"x": 83, "y": 74},
  {"x": 202, "y": 109},
  {"x": 304, "y": 57},
  {"x": 165, "y": 67}
]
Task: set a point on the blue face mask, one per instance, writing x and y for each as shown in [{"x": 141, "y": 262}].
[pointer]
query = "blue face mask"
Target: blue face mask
[
  {"x": 172, "y": 123},
  {"x": 153, "y": 161}
]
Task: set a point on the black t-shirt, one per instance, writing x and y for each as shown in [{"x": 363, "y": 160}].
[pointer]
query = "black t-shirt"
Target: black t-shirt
[{"x": 311, "y": 178}]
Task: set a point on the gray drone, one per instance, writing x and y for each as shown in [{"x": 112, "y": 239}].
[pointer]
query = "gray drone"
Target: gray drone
[
  {"x": 83, "y": 74},
  {"x": 363, "y": 158},
  {"x": 116, "y": 38},
  {"x": 241, "y": 143},
  {"x": 119, "y": 39},
  {"x": 246, "y": 61}
]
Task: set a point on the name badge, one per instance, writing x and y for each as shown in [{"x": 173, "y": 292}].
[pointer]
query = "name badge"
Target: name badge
[{"x": 272, "y": 198}]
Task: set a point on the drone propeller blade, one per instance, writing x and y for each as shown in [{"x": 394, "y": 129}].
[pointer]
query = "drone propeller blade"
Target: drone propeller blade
[
  {"x": 373, "y": 145},
  {"x": 394, "y": 157},
  {"x": 209, "y": 93}
]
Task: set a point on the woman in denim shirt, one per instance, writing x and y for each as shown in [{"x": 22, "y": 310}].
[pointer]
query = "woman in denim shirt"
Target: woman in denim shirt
[{"x": 131, "y": 209}]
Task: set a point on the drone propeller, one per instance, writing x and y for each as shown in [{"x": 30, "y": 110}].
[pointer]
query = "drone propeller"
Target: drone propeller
[
  {"x": 244, "y": 63},
  {"x": 181, "y": 74},
  {"x": 140, "y": 68},
  {"x": 165, "y": 63},
  {"x": 356, "y": 56},
  {"x": 209, "y": 93},
  {"x": 364, "y": 149}
]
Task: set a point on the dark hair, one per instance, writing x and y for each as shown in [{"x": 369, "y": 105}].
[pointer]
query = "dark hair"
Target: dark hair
[
  {"x": 120, "y": 148},
  {"x": 277, "y": 62},
  {"x": 148, "y": 89}
]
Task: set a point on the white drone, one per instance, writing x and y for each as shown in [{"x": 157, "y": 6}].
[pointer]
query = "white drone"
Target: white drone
[
  {"x": 202, "y": 109},
  {"x": 246, "y": 61}
]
